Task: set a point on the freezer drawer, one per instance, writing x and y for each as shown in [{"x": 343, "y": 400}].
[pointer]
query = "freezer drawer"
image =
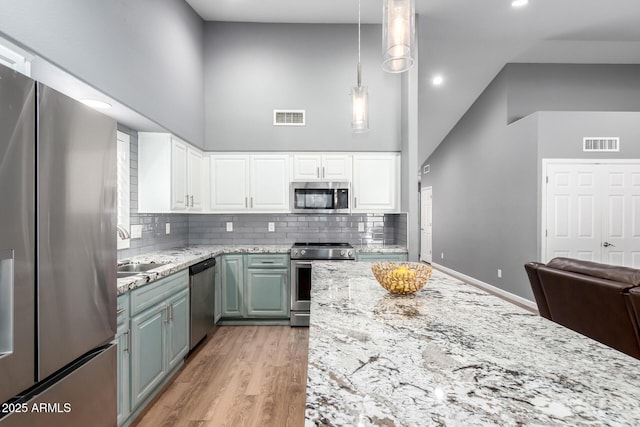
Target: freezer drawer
[{"x": 86, "y": 396}]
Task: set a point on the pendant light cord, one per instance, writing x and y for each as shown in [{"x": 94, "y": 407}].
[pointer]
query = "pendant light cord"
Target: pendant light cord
[{"x": 359, "y": 72}]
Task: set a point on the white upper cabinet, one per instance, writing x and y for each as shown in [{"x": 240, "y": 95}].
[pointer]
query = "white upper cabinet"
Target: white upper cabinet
[
  {"x": 243, "y": 182},
  {"x": 376, "y": 182},
  {"x": 322, "y": 167},
  {"x": 169, "y": 174}
]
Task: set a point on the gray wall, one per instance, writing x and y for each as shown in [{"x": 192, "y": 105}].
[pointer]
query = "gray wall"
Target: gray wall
[
  {"x": 486, "y": 174},
  {"x": 253, "y": 68},
  {"x": 571, "y": 87},
  {"x": 147, "y": 54},
  {"x": 484, "y": 204},
  {"x": 561, "y": 133}
]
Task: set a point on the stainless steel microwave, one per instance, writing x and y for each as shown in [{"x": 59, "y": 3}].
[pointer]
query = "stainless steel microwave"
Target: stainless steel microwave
[{"x": 320, "y": 197}]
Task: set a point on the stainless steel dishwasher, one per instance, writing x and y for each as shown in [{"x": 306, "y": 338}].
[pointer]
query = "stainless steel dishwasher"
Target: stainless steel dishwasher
[{"x": 201, "y": 284}]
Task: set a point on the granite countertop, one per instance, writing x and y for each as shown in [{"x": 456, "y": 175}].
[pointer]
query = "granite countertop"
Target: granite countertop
[
  {"x": 453, "y": 355},
  {"x": 381, "y": 249},
  {"x": 178, "y": 259}
]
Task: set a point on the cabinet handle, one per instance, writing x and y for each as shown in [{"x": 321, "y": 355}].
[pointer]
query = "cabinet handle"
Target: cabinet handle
[
  {"x": 246, "y": 203},
  {"x": 323, "y": 172},
  {"x": 191, "y": 201},
  {"x": 171, "y": 311},
  {"x": 167, "y": 315},
  {"x": 128, "y": 341},
  {"x": 318, "y": 172},
  {"x": 266, "y": 262},
  {"x": 252, "y": 202},
  {"x": 355, "y": 202},
  {"x": 119, "y": 311}
]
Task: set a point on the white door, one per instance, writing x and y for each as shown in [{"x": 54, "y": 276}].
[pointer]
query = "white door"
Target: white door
[
  {"x": 592, "y": 212},
  {"x": 336, "y": 167},
  {"x": 194, "y": 171},
  {"x": 426, "y": 221},
  {"x": 376, "y": 182},
  {"x": 307, "y": 167}
]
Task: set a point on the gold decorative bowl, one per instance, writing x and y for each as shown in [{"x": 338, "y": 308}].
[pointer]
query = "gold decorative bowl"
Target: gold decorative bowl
[{"x": 402, "y": 278}]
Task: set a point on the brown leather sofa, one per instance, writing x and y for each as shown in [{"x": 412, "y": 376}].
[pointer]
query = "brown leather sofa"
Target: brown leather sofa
[{"x": 597, "y": 300}]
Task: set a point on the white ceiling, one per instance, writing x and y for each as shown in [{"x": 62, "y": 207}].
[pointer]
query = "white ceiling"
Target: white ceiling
[{"x": 469, "y": 41}]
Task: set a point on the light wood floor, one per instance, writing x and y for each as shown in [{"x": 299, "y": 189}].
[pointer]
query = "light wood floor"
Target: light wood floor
[{"x": 242, "y": 376}]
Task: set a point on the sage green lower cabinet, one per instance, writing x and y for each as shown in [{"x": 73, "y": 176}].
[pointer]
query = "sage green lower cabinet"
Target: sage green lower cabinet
[
  {"x": 232, "y": 276},
  {"x": 255, "y": 286},
  {"x": 375, "y": 257},
  {"x": 159, "y": 340},
  {"x": 217, "y": 293},
  {"x": 123, "y": 341},
  {"x": 267, "y": 292}
]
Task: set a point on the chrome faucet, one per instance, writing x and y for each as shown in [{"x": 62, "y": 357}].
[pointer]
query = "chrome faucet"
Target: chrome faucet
[{"x": 123, "y": 233}]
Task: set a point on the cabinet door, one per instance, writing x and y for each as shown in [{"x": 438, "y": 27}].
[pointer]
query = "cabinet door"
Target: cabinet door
[
  {"x": 232, "y": 277},
  {"x": 267, "y": 292},
  {"x": 217, "y": 293},
  {"x": 269, "y": 183},
  {"x": 336, "y": 167},
  {"x": 147, "y": 352},
  {"x": 194, "y": 184},
  {"x": 307, "y": 167},
  {"x": 178, "y": 174},
  {"x": 123, "y": 341},
  {"x": 375, "y": 183},
  {"x": 178, "y": 329},
  {"x": 229, "y": 183}
]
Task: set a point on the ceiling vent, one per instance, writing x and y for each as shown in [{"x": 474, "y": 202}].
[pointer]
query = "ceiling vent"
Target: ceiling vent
[
  {"x": 600, "y": 144},
  {"x": 288, "y": 117}
]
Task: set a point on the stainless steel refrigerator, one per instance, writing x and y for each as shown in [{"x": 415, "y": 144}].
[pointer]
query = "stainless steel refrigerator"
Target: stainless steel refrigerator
[{"x": 57, "y": 258}]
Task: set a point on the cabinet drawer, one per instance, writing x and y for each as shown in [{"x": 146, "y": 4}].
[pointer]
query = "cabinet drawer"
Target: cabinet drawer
[
  {"x": 122, "y": 313},
  {"x": 268, "y": 260},
  {"x": 156, "y": 292}
]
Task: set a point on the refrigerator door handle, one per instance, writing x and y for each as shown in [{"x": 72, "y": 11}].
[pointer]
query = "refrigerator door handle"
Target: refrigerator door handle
[{"x": 6, "y": 302}]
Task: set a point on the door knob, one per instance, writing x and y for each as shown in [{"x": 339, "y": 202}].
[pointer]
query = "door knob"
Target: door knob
[{"x": 607, "y": 244}]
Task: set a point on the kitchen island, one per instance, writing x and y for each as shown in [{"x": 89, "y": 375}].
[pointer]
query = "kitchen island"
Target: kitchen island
[{"x": 453, "y": 355}]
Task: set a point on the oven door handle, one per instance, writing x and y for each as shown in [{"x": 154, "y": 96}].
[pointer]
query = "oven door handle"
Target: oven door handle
[{"x": 301, "y": 263}]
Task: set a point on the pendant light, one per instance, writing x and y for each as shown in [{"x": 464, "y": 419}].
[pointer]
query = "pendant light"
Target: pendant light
[
  {"x": 359, "y": 96},
  {"x": 398, "y": 35}
]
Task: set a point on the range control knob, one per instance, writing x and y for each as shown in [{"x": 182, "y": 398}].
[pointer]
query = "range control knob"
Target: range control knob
[
  {"x": 350, "y": 253},
  {"x": 294, "y": 252},
  {"x": 302, "y": 252},
  {"x": 343, "y": 253}
]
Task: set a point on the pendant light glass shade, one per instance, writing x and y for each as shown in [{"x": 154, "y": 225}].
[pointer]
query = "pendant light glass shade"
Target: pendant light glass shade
[
  {"x": 360, "y": 104},
  {"x": 398, "y": 35}
]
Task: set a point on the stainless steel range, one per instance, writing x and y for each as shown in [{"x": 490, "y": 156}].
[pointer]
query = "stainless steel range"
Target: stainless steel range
[{"x": 302, "y": 256}]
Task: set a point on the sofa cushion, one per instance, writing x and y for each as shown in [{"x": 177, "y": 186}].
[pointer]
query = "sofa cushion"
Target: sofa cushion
[{"x": 614, "y": 273}]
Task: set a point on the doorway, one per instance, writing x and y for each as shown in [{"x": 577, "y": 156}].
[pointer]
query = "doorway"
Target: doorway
[
  {"x": 426, "y": 221},
  {"x": 591, "y": 211}
]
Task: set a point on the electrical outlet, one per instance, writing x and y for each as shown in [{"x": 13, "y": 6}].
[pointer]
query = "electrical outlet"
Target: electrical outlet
[
  {"x": 229, "y": 226},
  {"x": 499, "y": 274},
  {"x": 361, "y": 227},
  {"x": 442, "y": 255},
  {"x": 167, "y": 228},
  {"x": 271, "y": 227},
  {"x": 136, "y": 231}
]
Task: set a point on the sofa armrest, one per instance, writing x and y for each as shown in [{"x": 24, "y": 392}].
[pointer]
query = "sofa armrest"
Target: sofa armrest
[{"x": 541, "y": 300}]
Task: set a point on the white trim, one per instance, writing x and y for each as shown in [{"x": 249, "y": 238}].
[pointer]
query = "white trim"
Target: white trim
[
  {"x": 124, "y": 144},
  {"x": 512, "y": 298}
]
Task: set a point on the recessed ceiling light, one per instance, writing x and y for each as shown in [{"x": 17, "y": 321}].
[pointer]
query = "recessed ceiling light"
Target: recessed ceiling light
[
  {"x": 94, "y": 103},
  {"x": 437, "y": 80},
  {"x": 519, "y": 3}
]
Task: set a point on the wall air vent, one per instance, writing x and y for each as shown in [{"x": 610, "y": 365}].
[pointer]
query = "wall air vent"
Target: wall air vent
[
  {"x": 600, "y": 144},
  {"x": 288, "y": 117},
  {"x": 426, "y": 169}
]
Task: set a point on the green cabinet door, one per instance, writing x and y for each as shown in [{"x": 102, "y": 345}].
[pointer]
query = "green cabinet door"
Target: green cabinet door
[
  {"x": 123, "y": 341},
  {"x": 148, "y": 365},
  {"x": 178, "y": 329},
  {"x": 267, "y": 292},
  {"x": 217, "y": 294},
  {"x": 232, "y": 280}
]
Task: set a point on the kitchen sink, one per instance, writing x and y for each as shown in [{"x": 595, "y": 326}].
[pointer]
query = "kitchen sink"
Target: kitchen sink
[{"x": 136, "y": 268}]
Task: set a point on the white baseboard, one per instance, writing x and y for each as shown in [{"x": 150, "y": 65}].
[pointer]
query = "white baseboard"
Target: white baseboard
[{"x": 513, "y": 298}]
